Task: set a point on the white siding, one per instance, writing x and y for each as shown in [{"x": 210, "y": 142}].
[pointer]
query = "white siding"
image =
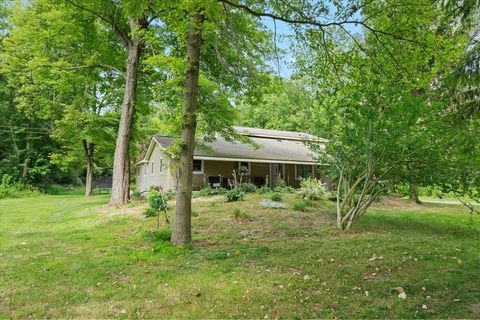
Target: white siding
[{"x": 155, "y": 178}]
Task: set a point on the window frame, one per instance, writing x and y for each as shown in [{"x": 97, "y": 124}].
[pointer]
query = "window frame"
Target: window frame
[
  {"x": 161, "y": 165},
  {"x": 201, "y": 166},
  {"x": 296, "y": 171},
  {"x": 249, "y": 165}
]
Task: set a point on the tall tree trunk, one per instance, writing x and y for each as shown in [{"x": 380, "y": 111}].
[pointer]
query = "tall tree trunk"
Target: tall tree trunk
[
  {"x": 413, "y": 196},
  {"x": 121, "y": 170},
  {"x": 88, "y": 152},
  {"x": 26, "y": 161},
  {"x": 182, "y": 233}
]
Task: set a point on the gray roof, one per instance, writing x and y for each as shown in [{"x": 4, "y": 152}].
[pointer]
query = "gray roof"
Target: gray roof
[
  {"x": 270, "y": 149},
  {"x": 268, "y": 133}
]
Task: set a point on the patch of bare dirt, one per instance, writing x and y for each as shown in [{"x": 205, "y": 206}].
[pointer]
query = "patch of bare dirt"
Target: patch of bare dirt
[{"x": 396, "y": 203}]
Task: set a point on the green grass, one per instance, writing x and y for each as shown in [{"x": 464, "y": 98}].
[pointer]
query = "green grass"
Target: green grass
[{"x": 68, "y": 257}]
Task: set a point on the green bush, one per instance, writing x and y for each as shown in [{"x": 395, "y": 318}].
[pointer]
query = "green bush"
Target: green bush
[
  {"x": 235, "y": 194},
  {"x": 9, "y": 188},
  {"x": 156, "y": 202},
  {"x": 277, "y": 197},
  {"x": 263, "y": 190},
  {"x": 248, "y": 187},
  {"x": 150, "y": 212},
  {"x": 282, "y": 188},
  {"x": 241, "y": 215},
  {"x": 301, "y": 205},
  {"x": 207, "y": 191},
  {"x": 311, "y": 189},
  {"x": 194, "y": 213}
]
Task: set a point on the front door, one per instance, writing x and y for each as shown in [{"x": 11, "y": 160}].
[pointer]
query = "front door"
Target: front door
[{"x": 276, "y": 174}]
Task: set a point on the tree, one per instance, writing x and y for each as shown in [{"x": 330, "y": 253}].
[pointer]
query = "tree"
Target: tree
[
  {"x": 128, "y": 21},
  {"x": 379, "y": 110},
  {"x": 67, "y": 79}
]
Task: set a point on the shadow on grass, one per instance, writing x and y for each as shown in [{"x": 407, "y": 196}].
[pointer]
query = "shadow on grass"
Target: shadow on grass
[{"x": 421, "y": 224}]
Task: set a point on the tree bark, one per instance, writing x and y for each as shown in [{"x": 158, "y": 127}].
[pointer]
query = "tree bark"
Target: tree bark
[
  {"x": 88, "y": 152},
  {"x": 121, "y": 161},
  {"x": 413, "y": 195},
  {"x": 182, "y": 233}
]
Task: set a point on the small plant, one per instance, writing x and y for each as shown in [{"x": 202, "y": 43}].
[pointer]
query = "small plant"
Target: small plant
[
  {"x": 220, "y": 191},
  {"x": 157, "y": 203},
  {"x": 301, "y": 205},
  {"x": 284, "y": 189},
  {"x": 194, "y": 213},
  {"x": 311, "y": 189},
  {"x": 235, "y": 194},
  {"x": 241, "y": 215},
  {"x": 207, "y": 191},
  {"x": 150, "y": 212},
  {"x": 266, "y": 203},
  {"x": 248, "y": 187},
  {"x": 263, "y": 190},
  {"x": 277, "y": 197}
]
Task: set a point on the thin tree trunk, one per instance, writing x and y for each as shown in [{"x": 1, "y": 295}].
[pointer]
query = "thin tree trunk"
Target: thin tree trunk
[
  {"x": 121, "y": 170},
  {"x": 26, "y": 161},
  {"x": 88, "y": 152},
  {"x": 413, "y": 196},
  {"x": 182, "y": 233}
]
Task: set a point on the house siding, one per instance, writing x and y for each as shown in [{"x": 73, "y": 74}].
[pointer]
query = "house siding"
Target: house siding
[{"x": 148, "y": 179}]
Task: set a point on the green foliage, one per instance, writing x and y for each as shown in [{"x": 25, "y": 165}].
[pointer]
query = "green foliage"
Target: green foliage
[
  {"x": 311, "y": 189},
  {"x": 209, "y": 191},
  {"x": 194, "y": 213},
  {"x": 150, "y": 212},
  {"x": 277, "y": 197},
  {"x": 247, "y": 187},
  {"x": 9, "y": 188},
  {"x": 282, "y": 188},
  {"x": 301, "y": 205},
  {"x": 263, "y": 190},
  {"x": 234, "y": 194},
  {"x": 162, "y": 235},
  {"x": 241, "y": 215}
]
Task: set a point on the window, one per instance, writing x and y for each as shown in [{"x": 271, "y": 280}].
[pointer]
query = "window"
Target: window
[
  {"x": 244, "y": 168},
  {"x": 145, "y": 169},
  {"x": 303, "y": 171},
  {"x": 151, "y": 168},
  {"x": 197, "y": 166},
  {"x": 161, "y": 164}
]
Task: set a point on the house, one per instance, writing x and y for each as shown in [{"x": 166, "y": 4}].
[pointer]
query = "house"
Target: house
[{"x": 274, "y": 155}]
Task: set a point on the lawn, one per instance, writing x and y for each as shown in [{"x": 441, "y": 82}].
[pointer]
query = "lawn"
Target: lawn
[{"x": 66, "y": 256}]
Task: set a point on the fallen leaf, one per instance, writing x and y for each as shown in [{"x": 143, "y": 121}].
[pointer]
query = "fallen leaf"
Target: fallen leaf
[{"x": 402, "y": 295}]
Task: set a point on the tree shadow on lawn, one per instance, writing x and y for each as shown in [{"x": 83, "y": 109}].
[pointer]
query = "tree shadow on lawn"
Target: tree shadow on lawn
[{"x": 418, "y": 224}]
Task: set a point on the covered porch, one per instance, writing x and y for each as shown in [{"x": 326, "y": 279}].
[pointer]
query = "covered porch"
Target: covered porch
[{"x": 220, "y": 172}]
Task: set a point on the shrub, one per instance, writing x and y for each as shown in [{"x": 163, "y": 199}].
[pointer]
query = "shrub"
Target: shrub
[
  {"x": 220, "y": 190},
  {"x": 263, "y": 190},
  {"x": 150, "y": 212},
  {"x": 207, "y": 191},
  {"x": 277, "y": 197},
  {"x": 266, "y": 203},
  {"x": 194, "y": 213},
  {"x": 248, "y": 187},
  {"x": 241, "y": 215},
  {"x": 156, "y": 202},
  {"x": 282, "y": 188},
  {"x": 9, "y": 188},
  {"x": 301, "y": 205},
  {"x": 235, "y": 194},
  {"x": 311, "y": 189}
]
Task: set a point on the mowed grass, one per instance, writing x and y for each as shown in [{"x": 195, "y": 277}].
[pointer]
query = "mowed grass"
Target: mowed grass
[{"x": 71, "y": 257}]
